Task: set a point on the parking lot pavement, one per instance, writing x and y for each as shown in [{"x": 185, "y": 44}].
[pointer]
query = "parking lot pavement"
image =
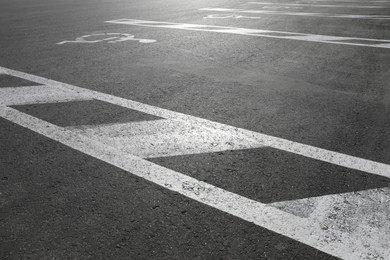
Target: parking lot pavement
[{"x": 222, "y": 129}]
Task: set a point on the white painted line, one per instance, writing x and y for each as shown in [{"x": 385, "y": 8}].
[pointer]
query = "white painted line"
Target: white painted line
[
  {"x": 163, "y": 138},
  {"x": 265, "y": 140},
  {"x": 323, "y": 15},
  {"x": 355, "y": 214},
  {"x": 345, "y": 1},
  {"x": 309, "y": 231},
  {"x": 386, "y": 45},
  {"x": 228, "y": 16},
  {"x": 274, "y": 7},
  {"x": 375, "y": 43},
  {"x": 246, "y": 209},
  {"x": 131, "y": 129},
  {"x": 5, "y": 71},
  {"x": 37, "y": 94},
  {"x": 316, "y": 5}
]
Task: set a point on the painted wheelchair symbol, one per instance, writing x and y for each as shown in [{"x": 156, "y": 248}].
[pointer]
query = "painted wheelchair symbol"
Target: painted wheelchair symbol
[{"x": 107, "y": 37}]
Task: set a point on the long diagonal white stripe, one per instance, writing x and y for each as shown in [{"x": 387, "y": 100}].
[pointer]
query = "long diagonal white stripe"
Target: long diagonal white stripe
[
  {"x": 354, "y": 41},
  {"x": 323, "y": 15},
  {"x": 306, "y": 231},
  {"x": 321, "y": 5},
  {"x": 309, "y": 151}
]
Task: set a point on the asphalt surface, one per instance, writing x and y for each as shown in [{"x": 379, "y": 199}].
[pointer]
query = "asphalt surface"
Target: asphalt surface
[{"x": 58, "y": 203}]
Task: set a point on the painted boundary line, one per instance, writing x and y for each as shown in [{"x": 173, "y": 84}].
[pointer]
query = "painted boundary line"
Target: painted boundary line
[
  {"x": 246, "y": 209},
  {"x": 322, "y": 15},
  {"x": 350, "y": 1},
  {"x": 309, "y": 151},
  {"x": 375, "y": 43},
  {"x": 321, "y": 5},
  {"x": 303, "y": 230}
]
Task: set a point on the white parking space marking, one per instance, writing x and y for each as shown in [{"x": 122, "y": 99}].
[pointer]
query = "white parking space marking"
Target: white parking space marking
[
  {"x": 321, "y": 5},
  {"x": 354, "y": 213},
  {"x": 353, "y": 41},
  {"x": 162, "y": 138},
  {"x": 258, "y": 213},
  {"x": 324, "y": 15},
  {"x": 229, "y": 16},
  {"x": 274, "y": 7},
  {"x": 37, "y": 94},
  {"x": 310, "y": 231},
  {"x": 262, "y": 139},
  {"x": 344, "y": 1},
  {"x": 387, "y": 45}
]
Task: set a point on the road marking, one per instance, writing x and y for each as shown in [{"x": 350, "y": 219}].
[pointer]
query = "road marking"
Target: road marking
[
  {"x": 37, "y": 94},
  {"x": 109, "y": 37},
  {"x": 375, "y": 43},
  {"x": 229, "y": 16},
  {"x": 353, "y": 213},
  {"x": 346, "y": 1},
  {"x": 262, "y": 139},
  {"x": 316, "y": 5},
  {"x": 325, "y": 15},
  {"x": 336, "y": 242},
  {"x": 163, "y": 138},
  {"x": 280, "y": 7}
]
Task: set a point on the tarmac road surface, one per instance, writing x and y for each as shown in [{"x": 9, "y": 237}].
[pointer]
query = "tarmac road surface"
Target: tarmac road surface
[{"x": 223, "y": 129}]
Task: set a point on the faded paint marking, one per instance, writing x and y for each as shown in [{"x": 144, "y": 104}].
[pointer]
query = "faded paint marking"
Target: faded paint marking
[
  {"x": 316, "y": 5},
  {"x": 375, "y": 43},
  {"x": 109, "y": 37},
  {"x": 323, "y": 15},
  {"x": 229, "y": 16},
  {"x": 310, "y": 231},
  {"x": 355, "y": 214},
  {"x": 262, "y": 139}
]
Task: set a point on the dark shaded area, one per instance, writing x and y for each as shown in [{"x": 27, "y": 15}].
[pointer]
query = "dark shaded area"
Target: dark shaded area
[
  {"x": 270, "y": 175},
  {"x": 92, "y": 112},
  {"x": 59, "y": 203},
  {"x": 7, "y": 81}
]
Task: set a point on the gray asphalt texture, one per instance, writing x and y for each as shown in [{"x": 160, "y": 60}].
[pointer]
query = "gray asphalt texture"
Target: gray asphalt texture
[{"x": 56, "y": 203}]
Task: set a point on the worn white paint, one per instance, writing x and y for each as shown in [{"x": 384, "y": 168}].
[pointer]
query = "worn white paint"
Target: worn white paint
[
  {"x": 162, "y": 138},
  {"x": 95, "y": 141},
  {"x": 375, "y": 43},
  {"x": 229, "y": 16},
  {"x": 262, "y": 139},
  {"x": 249, "y": 210},
  {"x": 345, "y": 1},
  {"x": 321, "y": 5},
  {"x": 109, "y": 37},
  {"x": 37, "y": 94},
  {"x": 280, "y": 7},
  {"x": 353, "y": 213},
  {"x": 322, "y": 15}
]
